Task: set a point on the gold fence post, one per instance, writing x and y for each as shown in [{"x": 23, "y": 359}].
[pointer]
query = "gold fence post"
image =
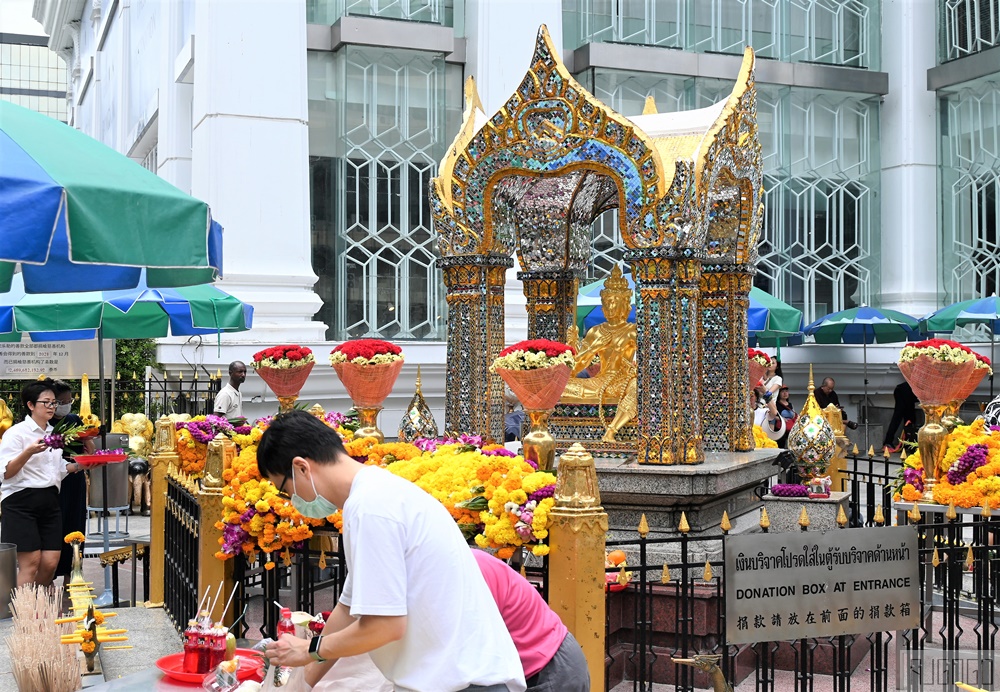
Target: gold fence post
[
  {"x": 838, "y": 464},
  {"x": 211, "y": 570},
  {"x": 163, "y": 457},
  {"x": 576, "y": 557}
]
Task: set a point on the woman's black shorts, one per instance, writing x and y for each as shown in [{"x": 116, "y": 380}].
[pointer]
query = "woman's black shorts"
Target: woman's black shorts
[{"x": 31, "y": 520}]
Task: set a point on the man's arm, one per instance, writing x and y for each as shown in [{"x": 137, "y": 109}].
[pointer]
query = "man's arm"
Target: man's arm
[
  {"x": 338, "y": 620},
  {"x": 365, "y": 634}
]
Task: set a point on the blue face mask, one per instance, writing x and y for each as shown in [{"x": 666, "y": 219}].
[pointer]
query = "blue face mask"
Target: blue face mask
[{"x": 320, "y": 508}]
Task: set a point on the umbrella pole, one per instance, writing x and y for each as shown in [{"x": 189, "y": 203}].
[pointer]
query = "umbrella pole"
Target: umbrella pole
[
  {"x": 106, "y": 598},
  {"x": 993, "y": 355},
  {"x": 864, "y": 403}
]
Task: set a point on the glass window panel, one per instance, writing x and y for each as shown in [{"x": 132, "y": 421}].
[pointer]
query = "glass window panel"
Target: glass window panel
[
  {"x": 819, "y": 239},
  {"x": 379, "y": 122},
  {"x": 836, "y": 32}
]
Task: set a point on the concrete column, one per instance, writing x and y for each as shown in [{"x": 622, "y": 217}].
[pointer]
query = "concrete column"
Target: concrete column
[
  {"x": 908, "y": 135},
  {"x": 250, "y": 159}
]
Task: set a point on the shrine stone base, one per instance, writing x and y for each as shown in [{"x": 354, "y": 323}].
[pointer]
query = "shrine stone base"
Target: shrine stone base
[
  {"x": 725, "y": 483},
  {"x": 784, "y": 512}
]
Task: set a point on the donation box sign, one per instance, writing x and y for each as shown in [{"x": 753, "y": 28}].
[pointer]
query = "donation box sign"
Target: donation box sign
[{"x": 800, "y": 585}]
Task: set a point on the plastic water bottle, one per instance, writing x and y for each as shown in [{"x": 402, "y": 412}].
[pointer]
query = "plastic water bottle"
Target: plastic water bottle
[{"x": 285, "y": 624}]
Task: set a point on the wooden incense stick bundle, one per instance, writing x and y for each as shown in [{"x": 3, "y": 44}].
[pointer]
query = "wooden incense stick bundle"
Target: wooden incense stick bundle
[{"x": 39, "y": 661}]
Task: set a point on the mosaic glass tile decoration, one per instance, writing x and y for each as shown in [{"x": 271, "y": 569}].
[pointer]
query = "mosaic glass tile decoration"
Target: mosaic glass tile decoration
[{"x": 532, "y": 177}]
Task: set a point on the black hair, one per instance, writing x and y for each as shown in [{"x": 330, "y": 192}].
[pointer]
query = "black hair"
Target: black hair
[
  {"x": 296, "y": 434},
  {"x": 59, "y": 387},
  {"x": 31, "y": 391},
  {"x": 777, "y": 368},
  {"x": 235, "y": 364}
]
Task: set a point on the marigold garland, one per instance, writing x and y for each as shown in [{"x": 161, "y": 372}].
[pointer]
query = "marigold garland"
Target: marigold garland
[
  {"x": 761, "y": 440},
  {"x": 981, "y": 484},
  {"x": 193, "y": 454}
]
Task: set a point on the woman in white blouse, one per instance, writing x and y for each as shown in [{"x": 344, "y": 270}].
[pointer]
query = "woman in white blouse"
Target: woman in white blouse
[{"x": 29, "y": 496}]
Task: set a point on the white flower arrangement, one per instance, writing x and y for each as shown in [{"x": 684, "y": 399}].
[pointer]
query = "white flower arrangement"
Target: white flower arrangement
[
  {"x": 938, "y": 349},
  {"x": 533, "y": 355}
]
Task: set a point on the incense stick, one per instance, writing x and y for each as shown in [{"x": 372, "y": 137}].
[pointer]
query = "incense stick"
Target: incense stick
[{"x": 39, "y": 662}]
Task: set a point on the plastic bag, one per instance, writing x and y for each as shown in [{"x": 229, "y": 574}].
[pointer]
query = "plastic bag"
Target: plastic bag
[
  {"x": 280, "y": 679},
  {"x": 353, "y": 674}
]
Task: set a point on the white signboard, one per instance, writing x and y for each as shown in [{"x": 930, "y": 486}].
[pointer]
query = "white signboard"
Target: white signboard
[
  {"x": 786, "y": 586},
  {"x": 66, "y": 360}
]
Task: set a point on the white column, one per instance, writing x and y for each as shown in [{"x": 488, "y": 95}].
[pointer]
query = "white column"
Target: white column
[
  {"x": 908, "y": 132},
  {"x": 501, "y": 40},
  {"x": 173, "y": 154},
  {"x": 251, "y": 156}
]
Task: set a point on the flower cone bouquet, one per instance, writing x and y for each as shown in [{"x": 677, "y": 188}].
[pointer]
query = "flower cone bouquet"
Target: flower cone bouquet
[
  {"x": 368, "y": 368},
  {"x": 285, "y": 370},
  {"x": 757, "y": 362},
  {"x": 981, "y": 370},
  {"x": 536, "y": 371},
  {"x": 938, "y": 370}
]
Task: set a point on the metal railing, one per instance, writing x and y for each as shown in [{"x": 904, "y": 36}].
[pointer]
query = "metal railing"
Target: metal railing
[{"x": 180, "y": 574}]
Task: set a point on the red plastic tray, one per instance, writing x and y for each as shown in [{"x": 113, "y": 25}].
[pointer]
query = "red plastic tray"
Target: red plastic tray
[
  {"x": 173, "y": 667},
  {"x": 89, "y": 460}
]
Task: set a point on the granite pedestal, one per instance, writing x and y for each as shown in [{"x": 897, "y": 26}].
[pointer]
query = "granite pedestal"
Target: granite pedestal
[{"x": 784, "y": 512}]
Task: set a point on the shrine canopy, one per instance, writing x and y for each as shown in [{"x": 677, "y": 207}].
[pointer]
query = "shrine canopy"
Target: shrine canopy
[{"x": 534, "y": 175}]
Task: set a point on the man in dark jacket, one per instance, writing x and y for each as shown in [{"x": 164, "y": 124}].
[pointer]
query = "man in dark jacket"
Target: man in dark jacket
[{"x": 825, "y": 396}]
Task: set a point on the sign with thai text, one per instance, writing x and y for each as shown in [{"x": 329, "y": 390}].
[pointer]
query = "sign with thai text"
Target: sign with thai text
[
  {"x": 787, "y": 586},
  {"x": 66, "y": 360}
]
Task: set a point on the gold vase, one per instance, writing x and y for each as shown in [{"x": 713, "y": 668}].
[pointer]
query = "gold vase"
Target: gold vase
[
  {"x": 932, "y": 439},
  {"x": 951, "y": 420},
  {"x": 539, "y": 445},
  {"x": 287, "y": 403},
  {"x": 368, "y": 423},
  {"x": 76, "y": 574}
]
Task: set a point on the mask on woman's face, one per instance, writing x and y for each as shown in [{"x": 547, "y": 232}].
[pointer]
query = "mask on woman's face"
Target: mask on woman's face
[{"x": 62, "y": 410}]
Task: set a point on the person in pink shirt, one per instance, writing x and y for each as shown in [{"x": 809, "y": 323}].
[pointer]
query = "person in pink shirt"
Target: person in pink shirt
[{"x": 552, "y": 659}]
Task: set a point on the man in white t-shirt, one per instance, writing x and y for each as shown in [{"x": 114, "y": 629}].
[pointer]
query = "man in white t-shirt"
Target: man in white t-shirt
[
  {"x": 414, "y": 598},
  {"x": 229, "y": 400}
]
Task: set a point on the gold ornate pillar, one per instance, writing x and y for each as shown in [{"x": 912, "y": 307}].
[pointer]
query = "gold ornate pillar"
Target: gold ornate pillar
[
  {"x": 474, "y": 397},
  {"x": 163, "y": 457},
  {"x": 669, "y": 387},
  {"x": 726, "y": 420},
  {"x": 576, "y": 557},
  {"x": 211, "y": 570},
  {"x": 551, "y": 296}
]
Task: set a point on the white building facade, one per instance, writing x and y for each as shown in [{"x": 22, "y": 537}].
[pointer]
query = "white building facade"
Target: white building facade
[{"x": 313, "y": 127}]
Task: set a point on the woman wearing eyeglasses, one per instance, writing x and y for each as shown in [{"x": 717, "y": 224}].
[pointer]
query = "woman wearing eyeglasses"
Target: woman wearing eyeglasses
[{"x": 32, "y": 472}]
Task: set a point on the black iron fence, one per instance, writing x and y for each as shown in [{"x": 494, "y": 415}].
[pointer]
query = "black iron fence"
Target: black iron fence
[
  {"x": 309, "y": 580},
  {"x": 155, "y": 394},
  {"x": 675, "y": 607},
  {"x": 182, "y": 527}
]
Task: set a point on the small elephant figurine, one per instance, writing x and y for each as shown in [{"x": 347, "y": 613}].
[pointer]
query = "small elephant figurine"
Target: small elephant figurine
[{"x": 140, "y": 485}]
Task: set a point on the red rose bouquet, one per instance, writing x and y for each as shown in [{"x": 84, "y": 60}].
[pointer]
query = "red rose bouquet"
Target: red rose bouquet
[
  {"x": 536, "y": 371},
  {"x": 938, "y": 370},
  {"x": 368, "y": 368},
  {"x": 284, "y": 368}
]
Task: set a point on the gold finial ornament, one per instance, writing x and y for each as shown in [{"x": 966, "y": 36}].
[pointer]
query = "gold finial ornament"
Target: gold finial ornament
[
  {"x": 576, "y": 484},
  {"x": 643, "y": 526},
  {"x": 969, "y": 558},
  {"x": 871, "y": 451},
  {"x": 987, "y": 510},
  {"x": 903, "y": 454},
  {"x": 649, "y": 108},
  {"x": 765, "y": 521},
  {"x": 935, "y": 560},
  {"x": 841, "y": 517},
  {"x": 707, "y": 575},
  {"x": 418, "y": 420},
  {"x": 665, "y": 577},
  {"x": 914, "y": 513},
  {"x": 855, "y": 451},
  {"x": 726, "y": 526},
  {"x": 879, "y": 518},
  {"x": 951, "y": 514},
  {"x": 683, "y": 525},
  {"x": 812, "y": 440},
  {"x": 804, "y": 518}
]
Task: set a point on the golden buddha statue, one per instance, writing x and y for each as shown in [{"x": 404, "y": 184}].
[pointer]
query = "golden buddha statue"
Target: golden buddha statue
[{"x": 614, "y": 343}]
